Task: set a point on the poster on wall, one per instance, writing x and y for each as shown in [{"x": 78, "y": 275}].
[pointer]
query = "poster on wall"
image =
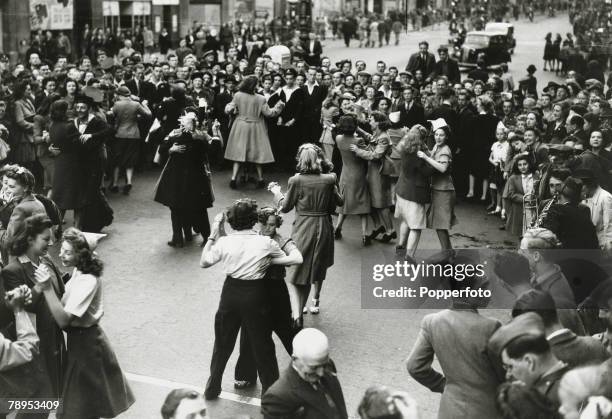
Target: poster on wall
[{"x": 51, "y": 14}]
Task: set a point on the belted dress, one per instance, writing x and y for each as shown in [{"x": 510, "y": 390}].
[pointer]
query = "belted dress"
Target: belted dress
[{"x": 248, "y": 139}]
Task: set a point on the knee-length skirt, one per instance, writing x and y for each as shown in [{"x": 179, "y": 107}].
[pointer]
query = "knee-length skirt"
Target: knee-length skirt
[
  {"x": 413, "y": 213},
  {"x": 94, "y": 385},
  {"x": 441, "y": 212},
  {"x": 126, "y": 152},
  {"x": 314, "y": 237}
]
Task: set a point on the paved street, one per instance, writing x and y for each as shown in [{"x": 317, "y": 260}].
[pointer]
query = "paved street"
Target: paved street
[{"x": 160, "y": 305}]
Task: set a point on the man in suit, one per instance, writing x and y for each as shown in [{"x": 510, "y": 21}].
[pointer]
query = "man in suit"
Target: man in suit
[
  {"x": 396, "y": 96},
  {"x": 566, "y": 345},
  {"x": 422, "y": 60},
  {"x": 309, "y": 387},
  {"x": 314, "y": 95},
  {"x": 446, "y": 66},
  {"x": 290, "y": 119},
  {"x": 411, "y": 112},
  {"x": 313, "y": 50}
]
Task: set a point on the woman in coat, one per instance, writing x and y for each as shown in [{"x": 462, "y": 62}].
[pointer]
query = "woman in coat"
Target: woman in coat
[
  {"x": 481, "y": 143},
  {"x": 248, "y": 139},
  {"x": 185, "y": 185},
  {"x": 21, "y": 187},
  {"x": 520, "y": 183},
  {"x": 42, "y": 139},
  {"x": 353, "y": 183},
  {"x": 29, "y": 247},
  {"x": 23, "y": 150},
  {"x": 377, "y": 153},
  {"x": 441, "y": 213},
  {"x": 413, "y": 191},
  {"x": 314, "y": 195},
  {"x": 94, "y": 385},
  {"x": 64, "y": 136}
]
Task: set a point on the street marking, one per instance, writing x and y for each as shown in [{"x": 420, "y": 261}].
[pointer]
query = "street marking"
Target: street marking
[{"x": 160, "y": 382}]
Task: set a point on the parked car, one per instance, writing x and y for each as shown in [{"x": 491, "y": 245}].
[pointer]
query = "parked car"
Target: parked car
[
  {"x": 492, "y": 46},
  {"x": 507, "y": 28}
]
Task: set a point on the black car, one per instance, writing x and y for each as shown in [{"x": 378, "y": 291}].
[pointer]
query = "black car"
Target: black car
[{"x": 491, "y": 46}]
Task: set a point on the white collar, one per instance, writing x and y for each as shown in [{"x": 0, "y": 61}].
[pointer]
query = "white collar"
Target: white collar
[{"x": 89, "y": 118}]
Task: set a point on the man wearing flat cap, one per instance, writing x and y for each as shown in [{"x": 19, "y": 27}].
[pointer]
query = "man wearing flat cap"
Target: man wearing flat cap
[{"x": 527, "y": 356}]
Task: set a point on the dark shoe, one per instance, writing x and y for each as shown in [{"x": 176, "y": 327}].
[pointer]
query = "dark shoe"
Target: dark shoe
[
  {"x": 366, "y": 241},
  {"x": 114, "y": 189},
  {"x": 338, "y": 233},
  {"x": 233, "y": 184},
  {"x": 386, "y": 238},
  {"x": 127, "y": 189},
  {"x": 240, "y": 384},
  {"x": 188, "y": 237},
  {"x": 491, "y": 207},
  {"x": 502, "y": 227},
  {"x": 176, "y": 243},
  {"x": 376, "y": 232},
  {"x": 210, "y": 394},
  {"x": 261, "y": 184},
  {"x": 400, "y": 250}
]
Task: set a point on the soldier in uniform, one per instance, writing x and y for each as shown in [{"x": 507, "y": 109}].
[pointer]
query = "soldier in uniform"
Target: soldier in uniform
[{"x": 527, "y": 356}]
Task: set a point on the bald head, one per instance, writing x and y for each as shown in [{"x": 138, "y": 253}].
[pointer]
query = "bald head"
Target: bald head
[
  {"x": 310, "y": 344},
  {"x": 310, "y": 354}
]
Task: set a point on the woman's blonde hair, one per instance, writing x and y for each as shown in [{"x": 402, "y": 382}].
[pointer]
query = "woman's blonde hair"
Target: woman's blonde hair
[
  {"x": 413, "y": 140},
  {"x": 311, "y": 160}
]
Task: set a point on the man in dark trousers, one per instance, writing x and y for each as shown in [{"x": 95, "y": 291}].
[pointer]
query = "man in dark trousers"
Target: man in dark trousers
[
  {"x": 422, "y": 60},
  {"x": 309, "y": 387},
  {"x": 314, "y": 95}
]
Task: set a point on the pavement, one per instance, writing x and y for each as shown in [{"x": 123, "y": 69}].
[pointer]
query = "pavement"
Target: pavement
[{"x": 160, "y": 305}]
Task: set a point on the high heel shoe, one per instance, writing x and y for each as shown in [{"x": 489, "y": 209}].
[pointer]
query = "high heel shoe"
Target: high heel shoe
[
  {"x": 386, "y": 238},
  {"x": 176, "y": 243},
  {"x": 337, "y": 233},
  {"x": 366, "y": 240},
  {"x": 376, "y": 232},
  {"x": 314, "y": 308},
  {"x": 233, "y": 184}
]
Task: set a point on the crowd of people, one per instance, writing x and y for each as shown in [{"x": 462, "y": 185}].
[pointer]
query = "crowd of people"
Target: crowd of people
[{"x": 392, "y": 146}]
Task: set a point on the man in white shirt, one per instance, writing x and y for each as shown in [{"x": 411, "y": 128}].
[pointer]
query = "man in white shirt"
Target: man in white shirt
[
  {"x": 245, "y": 256},
  {"x": 599, "y": 202}
]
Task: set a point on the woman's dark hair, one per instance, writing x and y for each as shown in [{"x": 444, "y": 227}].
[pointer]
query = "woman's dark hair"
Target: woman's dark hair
[
  {"x": 266, "y": 212},
  {"x": 517, "y": 401},
  {"x": 20, "y": 88},
  {"x": 178, "y": 94},
  {"x": 242, "y": 215},
  {"x": 248, "y": 85},
  {"x": 45, "y": 105},
  {"x": 28, "y": 229},
  {"x": 376, "y": 403},
  {"x": 525, "y": 157},
  {"x": 522, "y": 345},
  {"x": 23, "y": 176},
  {"x": 347, "y": 125},
  {"x": 68, "y": 80},
  {"x": 381, "y": 99},
  {"x": 86, "y": 261},
  {"x": 382, "y": 120}
]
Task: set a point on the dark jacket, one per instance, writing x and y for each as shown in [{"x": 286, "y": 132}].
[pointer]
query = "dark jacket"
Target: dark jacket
[
  {"x": 417, "y": 62},
  {"x": 448, "y": 68},
  {"x": 572, "y": 225},
  {"x": 185, "y": 180},
  {"x": 292, "y": 397},
  {"x": 311, "y": 112},
  {"x": 414, "y": 115},
  {"x": 414, "y": 182},
  {"x": 312, "y": 57}
]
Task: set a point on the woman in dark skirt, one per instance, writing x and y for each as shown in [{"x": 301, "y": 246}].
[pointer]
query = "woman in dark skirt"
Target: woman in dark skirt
[
  {"x": 94, "y": 385},
  {"x": 185, "y": 185},
  {"x": 29, "y": 246}
]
